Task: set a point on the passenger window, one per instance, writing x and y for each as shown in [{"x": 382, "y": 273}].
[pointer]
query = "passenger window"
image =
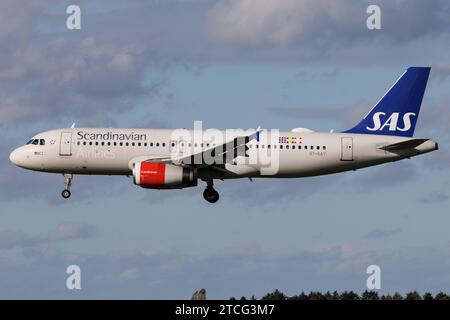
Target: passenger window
[
  {"x": 96, "y": 143},
  {"x": 145, "y": 144},
  {"x": 121, "y": 144},
  {"x": 157, "y": 144},
  {"x": 90, "y": 143},
  {"x": 127, "y": 144},
  {"x": 324, "y": 148},
  {"x": 115, "y": 144},
  {"x": 132, "y": 144},
  {"x": 287, "y": 146},
  {"x": 78, "y": 143},
  {"x": 164, "y": 144},
  {"x": 281, "y": 146},
  {"x": 84, "y": 143},
  {"x": 318, "y": 148}
]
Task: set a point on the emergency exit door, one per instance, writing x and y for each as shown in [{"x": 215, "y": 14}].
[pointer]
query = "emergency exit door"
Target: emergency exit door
[
  {"x": 347, "y": 149},
  {"x": 65, "y": 145}
]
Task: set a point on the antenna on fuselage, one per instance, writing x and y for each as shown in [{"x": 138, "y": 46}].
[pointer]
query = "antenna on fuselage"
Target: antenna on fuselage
[{"x": 73, "y": 125}]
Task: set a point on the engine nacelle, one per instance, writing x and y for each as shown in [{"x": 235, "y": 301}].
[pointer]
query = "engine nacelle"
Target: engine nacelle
[{"x": 159, "y": 175}]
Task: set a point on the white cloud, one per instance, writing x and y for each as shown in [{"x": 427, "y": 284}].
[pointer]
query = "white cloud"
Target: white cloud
[
  {"x": 382, "y": 233},
  {"x": 324, "y": 24},
  {"x": 129, "y": 274},
  {"x": 274, "y": 22},
  {"x": 70, "y": 230},
  {"x": 10, "y": 239}
]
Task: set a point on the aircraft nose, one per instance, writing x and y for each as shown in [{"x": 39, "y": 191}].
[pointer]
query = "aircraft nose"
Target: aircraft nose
[{"x": 14, "y": 157}]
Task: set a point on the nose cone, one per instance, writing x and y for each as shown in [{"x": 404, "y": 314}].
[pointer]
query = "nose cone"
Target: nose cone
[
  {"x": 16, "y": 157},
  {"x": 13, "y": 157}
]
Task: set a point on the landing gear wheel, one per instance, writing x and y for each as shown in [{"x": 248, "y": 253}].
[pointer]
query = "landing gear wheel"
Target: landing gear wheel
[
  {"x": 65, "y": 193},
  {"x": 68, "y": 177},
  {"x": 211, "y": 195}
]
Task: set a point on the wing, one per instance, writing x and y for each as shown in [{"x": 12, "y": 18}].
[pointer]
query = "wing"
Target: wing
[
  {"x": 215, "y": 156},
  {"x": 219, "y": 155}
]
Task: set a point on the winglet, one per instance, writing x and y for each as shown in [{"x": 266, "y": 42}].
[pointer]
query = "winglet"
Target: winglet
[{"x": 257, "y": 133}]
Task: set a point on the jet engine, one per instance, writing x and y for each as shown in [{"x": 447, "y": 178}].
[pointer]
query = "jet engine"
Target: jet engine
[{"x": 159, "y": 175}]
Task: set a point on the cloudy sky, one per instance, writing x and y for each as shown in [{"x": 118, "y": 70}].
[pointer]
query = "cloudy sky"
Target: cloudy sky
[{"x": 232, "y": 64}]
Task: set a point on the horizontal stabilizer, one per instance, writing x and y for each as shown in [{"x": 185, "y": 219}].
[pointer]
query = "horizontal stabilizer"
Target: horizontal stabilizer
[{"x": 409, "y": 144}]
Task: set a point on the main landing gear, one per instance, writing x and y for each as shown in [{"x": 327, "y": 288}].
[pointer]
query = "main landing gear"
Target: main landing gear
[
  {"x": 68, "y": 182},
  {"x": 210, "y": 194}
]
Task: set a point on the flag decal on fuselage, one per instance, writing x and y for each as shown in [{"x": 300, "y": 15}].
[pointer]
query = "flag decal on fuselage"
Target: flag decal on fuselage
[{"x": 290, "y": 140}]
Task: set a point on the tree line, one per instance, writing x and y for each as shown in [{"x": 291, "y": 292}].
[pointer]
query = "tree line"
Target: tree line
[{"x": 350, "y": 295}]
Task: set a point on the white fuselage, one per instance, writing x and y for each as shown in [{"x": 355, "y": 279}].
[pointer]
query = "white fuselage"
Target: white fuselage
[{"x": 273, "y": 154}]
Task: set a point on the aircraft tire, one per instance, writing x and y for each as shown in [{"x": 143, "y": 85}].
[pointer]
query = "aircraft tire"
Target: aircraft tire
[
  {"x": 211, "y": 195},
  {"x": 65, "y": 193}
]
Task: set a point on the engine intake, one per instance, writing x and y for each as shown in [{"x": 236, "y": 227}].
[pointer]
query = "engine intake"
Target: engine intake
[{"x": 159, "y": 175}]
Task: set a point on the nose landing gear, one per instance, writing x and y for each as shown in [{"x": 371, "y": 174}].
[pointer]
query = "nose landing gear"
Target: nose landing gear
[
  {"x": 68, "y": 182},
  {"x": 65, "y": 193},
  {"x": 210, "y": 194}
]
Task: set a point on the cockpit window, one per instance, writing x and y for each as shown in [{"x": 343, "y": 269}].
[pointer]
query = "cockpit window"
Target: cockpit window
[{"x": 37, "y": 142}]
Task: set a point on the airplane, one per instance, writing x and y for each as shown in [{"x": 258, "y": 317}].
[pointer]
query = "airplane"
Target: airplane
[{"x": 179, "y": 158}]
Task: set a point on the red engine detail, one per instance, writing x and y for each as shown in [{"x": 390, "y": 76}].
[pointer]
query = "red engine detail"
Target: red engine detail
[
  {"x": 152, "y": 173},
  {"x": 158, "y": 175}
]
